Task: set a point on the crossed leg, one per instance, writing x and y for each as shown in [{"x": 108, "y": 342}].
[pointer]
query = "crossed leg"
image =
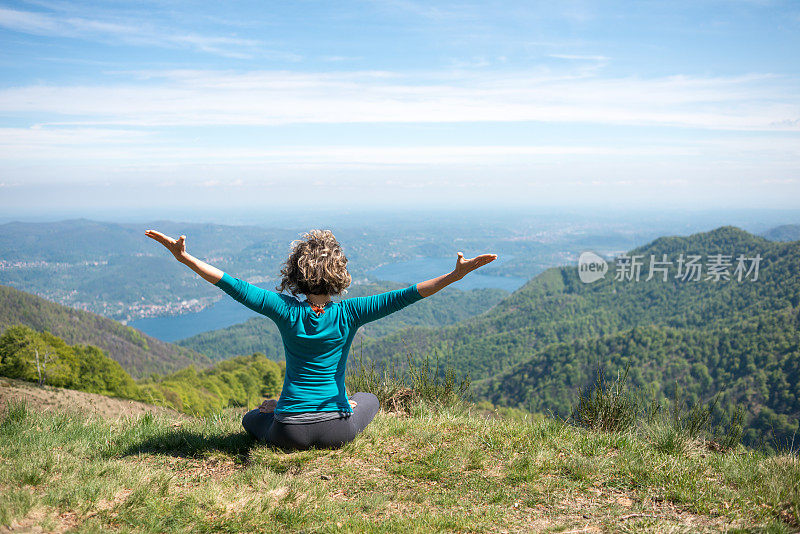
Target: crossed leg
[{"x": 328, "y": 434}]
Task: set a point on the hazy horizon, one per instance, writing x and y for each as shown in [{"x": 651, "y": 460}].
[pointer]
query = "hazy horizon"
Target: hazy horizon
[{"x": 752, "y": 220}]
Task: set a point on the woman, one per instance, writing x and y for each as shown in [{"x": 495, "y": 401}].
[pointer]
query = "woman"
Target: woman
[{"x": 313, "y": 408}]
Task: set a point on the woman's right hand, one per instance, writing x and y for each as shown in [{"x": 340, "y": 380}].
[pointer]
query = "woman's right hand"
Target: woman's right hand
[{"x": 176, "y": 246}]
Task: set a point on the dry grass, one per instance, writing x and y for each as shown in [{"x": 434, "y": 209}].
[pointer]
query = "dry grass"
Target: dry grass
[{"x": 48, "y": 398}]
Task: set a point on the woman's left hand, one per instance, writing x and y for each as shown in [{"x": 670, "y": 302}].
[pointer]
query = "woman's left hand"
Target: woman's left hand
[
  {"x": 466, "y": 266},
  {"x": 268, "y": 406}
]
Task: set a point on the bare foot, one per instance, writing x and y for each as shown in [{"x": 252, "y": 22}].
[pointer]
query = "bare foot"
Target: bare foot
[{"x": 353, "y": 404}]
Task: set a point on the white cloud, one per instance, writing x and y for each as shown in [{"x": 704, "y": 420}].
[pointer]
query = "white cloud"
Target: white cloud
[
  {"x": 427, "y": 11},
  {"x": 183, "y": 98},
  {"x": 337, "y": 59},
  {"x": 139, "y": 149},
  {"x": 38, "y": 137},
  {"x": 142, "y": 33},
  {"x": 83, "y": 144},
  {"x": 580, "y": 57},
  {"x": 28, "y": 22}
]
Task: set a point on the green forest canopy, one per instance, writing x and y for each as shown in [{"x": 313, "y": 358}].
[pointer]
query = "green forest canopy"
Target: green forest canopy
[{"x": 242, "y": 381}]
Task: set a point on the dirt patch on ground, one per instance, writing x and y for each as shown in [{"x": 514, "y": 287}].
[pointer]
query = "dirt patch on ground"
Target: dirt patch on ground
[{"x": 48, "y": 398}]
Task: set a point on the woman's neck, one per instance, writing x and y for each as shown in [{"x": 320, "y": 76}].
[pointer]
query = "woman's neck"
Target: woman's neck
[{"x": 318, "y": 300}]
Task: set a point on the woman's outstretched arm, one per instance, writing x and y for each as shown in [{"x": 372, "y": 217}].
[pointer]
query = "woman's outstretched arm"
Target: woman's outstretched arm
[
  {"x": 259, "y": 300},
  {"x": 463, "y": 267},
  {"x": 178, "y": 249}
]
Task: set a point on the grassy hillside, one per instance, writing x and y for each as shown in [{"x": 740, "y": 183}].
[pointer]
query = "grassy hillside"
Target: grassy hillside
[
  {"x": 431, "y": 471},
  {"x": 53, "y": 399},
  {"x": 138, "y": 353}
]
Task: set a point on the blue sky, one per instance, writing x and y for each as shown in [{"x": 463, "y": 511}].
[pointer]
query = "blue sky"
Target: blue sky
[{"x": 133, "y": 105}]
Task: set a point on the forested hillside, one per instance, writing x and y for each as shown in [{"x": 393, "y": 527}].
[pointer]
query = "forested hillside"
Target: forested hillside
[
  {"x": 138, "y": 353},
  {"x": 754, "y": 364},
  {"x": 556, "y": 306},
  {"x": 557, "y": 329}
]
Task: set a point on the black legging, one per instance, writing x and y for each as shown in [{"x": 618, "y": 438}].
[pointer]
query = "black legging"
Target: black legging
[{"x": 329, "y": 434}]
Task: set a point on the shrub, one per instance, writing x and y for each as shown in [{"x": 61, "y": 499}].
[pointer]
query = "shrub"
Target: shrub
[
  {"x": 698, "y": 420},
  {"x": 610, "y": 406},
  {"x": 606, "y": 405},
  {"x": 399, "y": 389}
]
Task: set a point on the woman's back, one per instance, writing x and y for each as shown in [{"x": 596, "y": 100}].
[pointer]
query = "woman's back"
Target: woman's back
[{"x": 316, "y": 346}]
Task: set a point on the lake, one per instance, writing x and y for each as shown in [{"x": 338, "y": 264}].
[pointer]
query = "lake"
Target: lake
[
  {"x": 228, "y": 312},
  {"x": 421, "y": 269}
]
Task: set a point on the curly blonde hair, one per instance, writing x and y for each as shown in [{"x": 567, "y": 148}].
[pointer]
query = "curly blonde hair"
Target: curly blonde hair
[{"x": 316, "y": 265}]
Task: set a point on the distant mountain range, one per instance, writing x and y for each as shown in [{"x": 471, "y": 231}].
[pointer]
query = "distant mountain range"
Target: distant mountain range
[
  {"x": 786, "y": 232},
  {"x": 557, "y": 307},
  {"x": 114, "y": 270}
]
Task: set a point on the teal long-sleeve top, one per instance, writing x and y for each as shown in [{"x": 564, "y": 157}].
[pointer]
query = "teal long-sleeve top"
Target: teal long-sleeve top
[{"x": 316, "y": 346}]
